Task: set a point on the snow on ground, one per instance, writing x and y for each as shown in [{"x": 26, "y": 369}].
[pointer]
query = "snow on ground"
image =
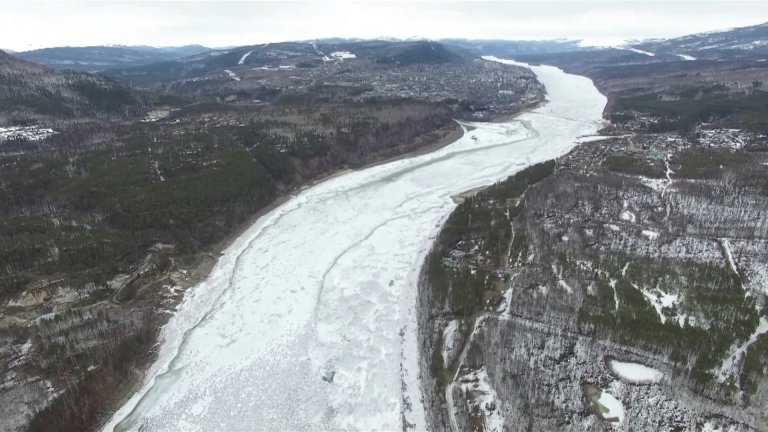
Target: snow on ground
[
  {"x": 723, "y": 137},
  {"x": 715, "y": 426},
  {"x": 245, "y": 56},
  {"x": 272, "y": 68},
  {"x": 728, "y": 366},
  {"x": 506, "y": 300},
  {"x": 482, "y": 395},
  {"x": 343, "y": 55},
  {"x": 639, "y": 51},
  {"x": 657, "y": 185},
  {"x": 564, "y": 285},
  {"x": 686, "y": 57},
  {"x": 660, "y": 300},
  {"x": 449, "y": 341},
  {"x": 612, "y": 408},
  {"x": 729, "y": 255},
  {"x": 232, "y": 75},
  {"x": 560, "y": 281},
  {"x": 593, "y": 138},
  {"x": 325, "y": 285},
  {"x": 156, "y": 166},
  {"x": 612, "y": 227},
  {"x": 29, "y": 133},
  {"x": 757, "y": 277},
  {"x": 635, "y": 372},
  {"x": 650, "y": 234},
  {"x": 628, "y": 216}
]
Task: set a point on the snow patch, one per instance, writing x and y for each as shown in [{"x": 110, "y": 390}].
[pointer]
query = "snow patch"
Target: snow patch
[
  {"x": 635, "y": 372},
  {"x": 627, "y": 216},
  {"x": 686, "y": 57},
  {"x": 506, "y": 302},
  {"x": 729, "y": 255},
  {"x": 28, "y": 133},
  {"x": 480, "y": 395},
  {"x": 639, "y": 51},
  {"x": 343, "y": 55},
  {"x": 242, "y": 59},
  {"x": 449, "y": 341},
  {"x": 232, "y": 75},
  {"x": 660, "y": 300},
  {"x": 565, "y": 286},
  {"x": 650, "y": 234},
  {"x": 605, "y": 404}
]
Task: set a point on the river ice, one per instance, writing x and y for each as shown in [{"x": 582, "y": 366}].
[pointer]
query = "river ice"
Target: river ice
[{"x": 308, "y": 321}]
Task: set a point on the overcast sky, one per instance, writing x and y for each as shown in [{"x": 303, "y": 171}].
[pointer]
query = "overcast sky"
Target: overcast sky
[{"x": 33, "y": 24}]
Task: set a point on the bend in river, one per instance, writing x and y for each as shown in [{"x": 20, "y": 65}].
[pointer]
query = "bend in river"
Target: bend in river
[{"x": 308, "y": 321}]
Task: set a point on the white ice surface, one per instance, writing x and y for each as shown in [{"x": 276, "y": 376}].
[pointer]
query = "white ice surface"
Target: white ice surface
[
  {"x": 636, "y": 372},
  {"x": 614, "y": 406},
  {"x": 327, "y": 283}
]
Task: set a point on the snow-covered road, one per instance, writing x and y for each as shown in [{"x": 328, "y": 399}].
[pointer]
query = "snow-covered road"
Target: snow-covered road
[{"x": 308, "y": 321}]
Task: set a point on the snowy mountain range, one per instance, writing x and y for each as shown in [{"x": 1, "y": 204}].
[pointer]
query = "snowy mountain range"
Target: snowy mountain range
[{"x": 734, "y": 43}]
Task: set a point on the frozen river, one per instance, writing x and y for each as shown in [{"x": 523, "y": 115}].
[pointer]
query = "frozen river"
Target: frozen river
[{"x": 308, "y": 321}]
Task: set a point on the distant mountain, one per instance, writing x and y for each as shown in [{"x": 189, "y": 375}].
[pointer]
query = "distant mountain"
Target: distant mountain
[
  {"x": 419, "y": 52},
  {"x": 178, "y": 51},
  {"x": 291, "y": 54},
  {"x": 107, "y": 57},
  {"x": 33, "y": 92},
  {"x": 738, "y": 43},
  {"x": 507, "y": 48}
]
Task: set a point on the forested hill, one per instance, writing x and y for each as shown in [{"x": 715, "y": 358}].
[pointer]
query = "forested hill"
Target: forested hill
[
  {"x": 91, "y": 58},
  {"x": 30, "y": 92}
]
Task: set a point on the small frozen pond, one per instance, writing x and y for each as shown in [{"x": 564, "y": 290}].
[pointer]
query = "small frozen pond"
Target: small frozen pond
[{"x": 635, "y": 372}]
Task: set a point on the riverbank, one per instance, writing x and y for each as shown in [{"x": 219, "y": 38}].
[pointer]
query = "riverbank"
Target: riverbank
[
  {"x": 440, "y": 308},
  {"x": 581, "y": 283}
]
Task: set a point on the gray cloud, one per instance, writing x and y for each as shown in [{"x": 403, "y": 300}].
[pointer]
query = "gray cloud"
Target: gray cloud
[{"x": 32, "y": 24}]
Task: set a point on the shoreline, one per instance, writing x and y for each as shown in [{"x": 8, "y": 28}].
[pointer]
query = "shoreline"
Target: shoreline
[
  {"x": 438, "y": 398},
  {"x": 448, "y": 138}
]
